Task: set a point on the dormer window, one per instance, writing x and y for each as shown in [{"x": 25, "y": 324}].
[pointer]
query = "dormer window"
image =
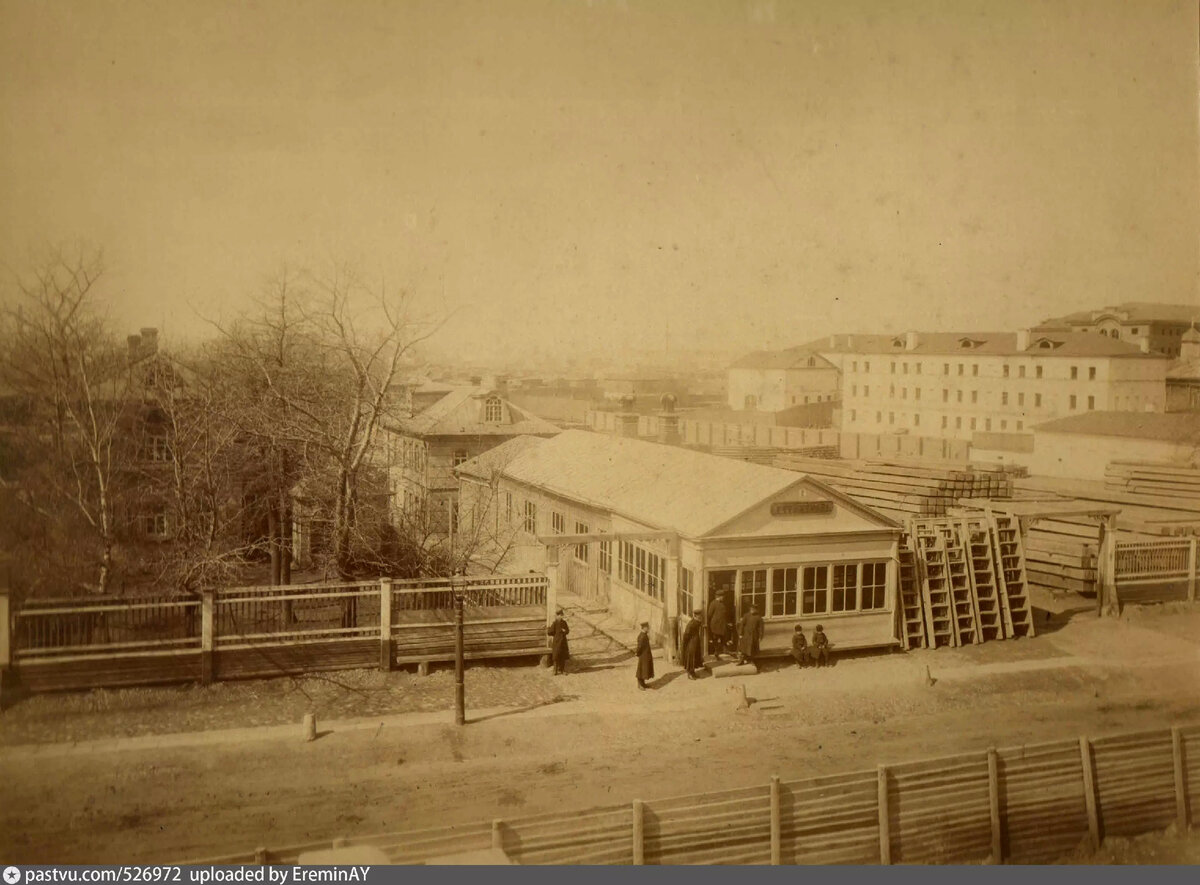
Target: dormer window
[
  {"x": 1046, "y": 344},
  {"x": 897, "y": 342},
  {"x": 493, "y": 410}
]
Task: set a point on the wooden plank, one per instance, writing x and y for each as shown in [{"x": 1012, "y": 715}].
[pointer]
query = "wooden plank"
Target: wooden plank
[
  {"x": 1089, "y": 790},
  {"x": 1180, "y": 778},
  {"x": 776, "y": 826},
  {"x": 885, "y": 838},
  {"x": 639, "y": 832}
]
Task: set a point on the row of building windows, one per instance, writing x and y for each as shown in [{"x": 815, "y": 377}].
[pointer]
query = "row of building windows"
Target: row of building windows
[
  {"x": 642, "y": 570},
  {"x": 961, "y": 369},
  {"x": 945, "y": 423},
  {"x": 821, "y": 588}
]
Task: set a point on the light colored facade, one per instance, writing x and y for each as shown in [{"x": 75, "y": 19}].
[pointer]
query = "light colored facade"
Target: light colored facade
[
  {"x": 423, "y": 450},
  {"x": 771, "y": 381},
  {"x": 1081, "y": 446},
  {"x": 1183, "y": 378},
  {"x": 794, "y": 548},
  {"x": 1160, "y": 326},
  {"x": 954, "y": 385}
]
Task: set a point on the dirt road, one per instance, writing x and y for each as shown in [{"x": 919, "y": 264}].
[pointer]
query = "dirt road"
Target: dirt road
[{"x": 606, "y": 742}]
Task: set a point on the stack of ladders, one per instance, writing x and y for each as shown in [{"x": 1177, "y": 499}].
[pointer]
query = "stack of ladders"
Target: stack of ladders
[{"x": 971, "y": 576}]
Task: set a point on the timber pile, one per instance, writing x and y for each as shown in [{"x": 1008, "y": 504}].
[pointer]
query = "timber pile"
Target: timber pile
[
  {"x": 1142, "y": 518},
  {"x": 1153, "y": 478},
  {"x": 766, "y": 455},
  {"x": 904, "y": 488}
]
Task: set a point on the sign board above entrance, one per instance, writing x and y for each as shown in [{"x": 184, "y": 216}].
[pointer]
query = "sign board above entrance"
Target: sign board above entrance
[{"x": 800, "y": 508}]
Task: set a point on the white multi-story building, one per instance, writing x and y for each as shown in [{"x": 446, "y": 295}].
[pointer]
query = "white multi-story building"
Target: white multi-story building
[
  {"x": 775, "y": 380},
  {"x": 956, "y": 384}
]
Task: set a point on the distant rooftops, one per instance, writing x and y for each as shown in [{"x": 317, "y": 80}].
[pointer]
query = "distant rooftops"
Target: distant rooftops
[
  {"x": 474, "y": 411},
  {"x": 1027, "y": 342},
  {"x": 802, "y": 357},
  {"x": 1133, "y": 312}
]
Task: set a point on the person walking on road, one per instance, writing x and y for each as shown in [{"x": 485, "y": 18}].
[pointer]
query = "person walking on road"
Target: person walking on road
[
  {"x": 716, "y": 626},
  {"x": 750, "y": 633},
  {"x": 645, "y": 656},
  {"x": 689, "y": 645},
  {"x": 559, "y": 651}
]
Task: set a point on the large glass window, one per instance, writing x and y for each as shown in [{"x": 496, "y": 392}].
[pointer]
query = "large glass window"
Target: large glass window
[
  {"x": 687, "y": 581},
  {"x": 783, "y": 591},
  {"x": 874, "y": 585},
  {"x": 815, "y": 594},
  {"x": 531, "y": 517},
  {"x": 581, "y": 550},
  {"x": 845, "y": 587},
  {"x": 754, "y": 590}
]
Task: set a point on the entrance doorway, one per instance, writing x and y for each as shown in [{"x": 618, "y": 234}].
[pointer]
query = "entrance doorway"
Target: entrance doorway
[{"x": 722, "y": 585}]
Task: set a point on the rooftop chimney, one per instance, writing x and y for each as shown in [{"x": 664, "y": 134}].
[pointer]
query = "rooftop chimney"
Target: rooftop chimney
[
  {"x": 668, "y": 421},
  {"x": 627, "y": 419},
  {"x": 149, "y": 340},
  {"x": 135, "y": 346},
  {"x": 1022, "y": 339},
  {"x": 1144, "y": 343},
  {"x": 910, "y": 340}
]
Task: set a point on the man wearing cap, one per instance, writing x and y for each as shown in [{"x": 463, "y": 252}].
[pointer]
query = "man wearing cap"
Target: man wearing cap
[
  {"x": 558, "y": 644},
  {"x": 716, "y": 626},
  {"x": 820, "y": 646},
  {"x": 645, "y": 664},
  {"x": 689, "y": 645}
]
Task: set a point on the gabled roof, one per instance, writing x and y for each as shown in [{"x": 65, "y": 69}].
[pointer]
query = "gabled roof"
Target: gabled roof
[
  {"x": 1068, "y": 344},
  {"x": 789, "y": 358},
  {"x": 663, "y": 486},
  {"x": 461, "y": 412},
  {"x": 1178, "y": 427}
]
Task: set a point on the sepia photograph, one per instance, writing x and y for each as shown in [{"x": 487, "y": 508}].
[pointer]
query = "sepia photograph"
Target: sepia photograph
[{"x": 597, "y": 433}]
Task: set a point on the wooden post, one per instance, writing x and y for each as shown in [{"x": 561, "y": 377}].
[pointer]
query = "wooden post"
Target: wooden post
[
  {"x": 671, "y": 600},
  {"x": 206, "y": 636},
  {"x": 1108, "y": 601},
  {"x": 1089, "y": 791},
  {"x": 1181, "y": 807},
  {"x": 885, "y": 826},
  {"x": 5, "y": 631},
  {"x": 385, "y": 624},
  {"x": 310, "y": 726},
  {"x": 552, "y": 581},
  {"x": 776, "y": 824},
  {"x": 261, "y": 857},
  {"x": 497, "y": 834},
  {"x": 993, "y": 760},
  {"x": 1192, "y": 567},
  {"x": 639, "y": 833},
  {"x": 460, "y": 712}
]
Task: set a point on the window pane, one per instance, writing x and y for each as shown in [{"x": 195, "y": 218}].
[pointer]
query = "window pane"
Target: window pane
[{"x": 845, "y": 588}]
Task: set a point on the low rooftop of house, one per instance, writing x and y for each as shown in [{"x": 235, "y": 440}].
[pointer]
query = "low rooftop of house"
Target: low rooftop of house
[
  {"x": 1028, "y": 342},
  {"x": 1178, "y": 427}
]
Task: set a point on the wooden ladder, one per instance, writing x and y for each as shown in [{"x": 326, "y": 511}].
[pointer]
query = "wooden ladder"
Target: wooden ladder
[
  {"x": 959, "y": 585},
  {"x": 1014, "y": 584},
  {"x": 935, "y": 590},
  {"x": 911, "y": 613},
  {"x": 991, "y": 605}
]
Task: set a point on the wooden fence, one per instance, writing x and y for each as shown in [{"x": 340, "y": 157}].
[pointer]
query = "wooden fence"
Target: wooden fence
[
  {"x": 1157, "y": 571},
  {"x": 269, "y": 631},
  {"x": 1029, "y": 804}
]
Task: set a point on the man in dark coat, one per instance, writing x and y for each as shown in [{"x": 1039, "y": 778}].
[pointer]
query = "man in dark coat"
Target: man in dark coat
[
  {"x": 689, "y": 645},
  {"x": 716, "y": 626},
  {"x": 645, "y": 664},
  {"x": 558, "y": 644},
  {"x": 820, "y": 646},
  {"x": 750, "y": 633}
]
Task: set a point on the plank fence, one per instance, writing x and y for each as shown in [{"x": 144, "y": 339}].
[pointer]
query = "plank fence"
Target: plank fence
[
  {"x": 242, "y": 632},
  {"x": 1157, "y": 571},
  {"x": 1030, "y": 804}
]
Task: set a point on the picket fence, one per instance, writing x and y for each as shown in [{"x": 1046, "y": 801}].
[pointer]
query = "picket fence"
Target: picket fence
[
  {"x": 243, "y": 632},
  {"x": 1030, "y": 804}
]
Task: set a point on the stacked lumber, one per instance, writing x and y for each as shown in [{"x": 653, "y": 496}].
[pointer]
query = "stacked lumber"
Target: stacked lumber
[
  {"x": 904, "y": 488},
  {"x": 1142, "y": 518},
  {"x": 767, "y": 454},
  {"x": 1153, "y": 478}
]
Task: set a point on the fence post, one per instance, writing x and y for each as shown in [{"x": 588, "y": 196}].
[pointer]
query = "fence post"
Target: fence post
[
  {"x": 385, "y": 624},
  {"x": 497, "y": 834},
  {"x": 5, "y": 645},
  {"x": 1181, "y": 808},
  {"x": 1089, "y": 791},
  {"x": 261, "y": 856},
  {"x": 885, "y": 827},
  {"x": 206, "y": 636},
  {"x": 1192, "y": 566},
  {"x": 776, "y": 824},
  {"x": 994, "y": 804},
  {"x": 639, "y": 833}
]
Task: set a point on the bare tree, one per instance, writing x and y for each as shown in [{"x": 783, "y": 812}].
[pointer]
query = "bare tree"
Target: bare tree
[{"x": 57, "y": 353}]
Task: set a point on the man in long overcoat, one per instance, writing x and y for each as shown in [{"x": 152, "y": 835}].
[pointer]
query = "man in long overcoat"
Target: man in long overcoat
[
  {"x": 750, "y": 633},
  {"x": 558, "y": 644},
  {"x": 717, "y": 625},
  {"x": 645, "y": 656},
  {"x": 689, "y": 645}
]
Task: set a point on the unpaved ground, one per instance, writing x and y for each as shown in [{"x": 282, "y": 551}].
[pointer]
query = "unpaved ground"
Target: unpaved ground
[{"x": 604, "y": 743}]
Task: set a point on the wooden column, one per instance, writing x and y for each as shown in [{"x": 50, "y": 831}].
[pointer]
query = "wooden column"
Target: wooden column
[
  {"x": 385, "y": 624},
  {"x": 207, "y": 604},
  {"x": 639, "y": 832},
  {"x": 885, "y": 825},
  {"x": 1106, "y": 595},
  {"x": 776, "y": 824},
  {"x": 1089, "y": 791},
  {"x": 552, "y": 578},
  {"x": 1181, "y": 808},
  {"x": 671, "y": 600},
  {"x": 994, "y": 805}
]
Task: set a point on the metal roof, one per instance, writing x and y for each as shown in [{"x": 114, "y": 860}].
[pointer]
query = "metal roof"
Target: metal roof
[
  {"x": 658, "y": 485},
  {"x": 1178, "y": 427},
  {"x": 460, "y": 413},
  {"x": 965, "y": 344}
]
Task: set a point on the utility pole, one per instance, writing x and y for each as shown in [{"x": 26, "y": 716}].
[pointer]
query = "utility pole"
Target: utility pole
[{"x": 458, "y": 586}]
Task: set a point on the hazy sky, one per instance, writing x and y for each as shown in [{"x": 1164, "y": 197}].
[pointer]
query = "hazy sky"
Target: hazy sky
[{"x": 570, "y": 175}]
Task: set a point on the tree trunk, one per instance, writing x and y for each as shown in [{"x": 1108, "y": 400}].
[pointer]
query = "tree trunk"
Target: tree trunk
[
  {"x": 273, "y": 540},
  {"x": 285, "y": 543}
]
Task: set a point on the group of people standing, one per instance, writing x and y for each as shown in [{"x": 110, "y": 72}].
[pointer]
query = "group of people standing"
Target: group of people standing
[{"x": 749, "y": 638}]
